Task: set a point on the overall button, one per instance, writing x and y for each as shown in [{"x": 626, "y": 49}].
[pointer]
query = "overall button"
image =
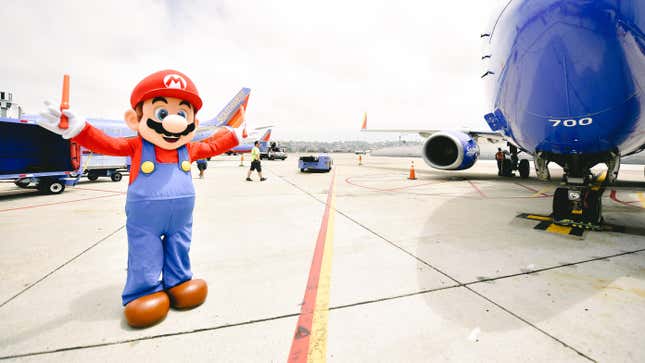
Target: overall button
[
  {"x": 185, "y": 165},
  {"x": 147, "y": 167}
]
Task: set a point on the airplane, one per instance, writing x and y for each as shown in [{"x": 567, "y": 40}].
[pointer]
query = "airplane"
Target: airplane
[
  {"x": 228, "y": 116},
  {"x": 246, "y": 147},
  {"x": 565, "y": 82}
]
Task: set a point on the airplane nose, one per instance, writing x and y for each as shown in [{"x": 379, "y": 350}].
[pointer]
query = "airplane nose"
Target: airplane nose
[
  {"x": 174, "y": 123},
  {"x": 578, "y": 60}
]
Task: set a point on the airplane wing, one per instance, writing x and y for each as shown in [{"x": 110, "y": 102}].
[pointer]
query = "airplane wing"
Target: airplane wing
[
  {"x": 262, "y": 127},
  {"x": 490, "y": 136}
]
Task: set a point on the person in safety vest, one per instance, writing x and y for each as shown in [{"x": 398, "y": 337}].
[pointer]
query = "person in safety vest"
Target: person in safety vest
[
  {"x": 256, "y": 164},
  {"x": 499, "y": 157}
]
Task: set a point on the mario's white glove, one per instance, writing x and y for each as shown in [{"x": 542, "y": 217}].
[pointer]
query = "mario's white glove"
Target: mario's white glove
[
  {"x": 239, "y": 132},
  {"x": 236, "y": 132},
  {"x": 51, "y": 117}
]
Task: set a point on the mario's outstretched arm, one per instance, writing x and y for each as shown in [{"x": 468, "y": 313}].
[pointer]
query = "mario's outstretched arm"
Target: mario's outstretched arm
[
  {"x": 84, "y": 134},
  {"x": 224, "y": 139},
  {"x": 97, "y": 141}
]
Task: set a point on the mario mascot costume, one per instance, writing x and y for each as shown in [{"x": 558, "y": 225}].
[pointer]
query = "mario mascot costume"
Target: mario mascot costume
[{"x": 161, "y": 195}]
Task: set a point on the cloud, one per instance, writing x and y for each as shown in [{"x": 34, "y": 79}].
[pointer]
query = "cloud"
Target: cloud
[{"x": 314, "y": 67}]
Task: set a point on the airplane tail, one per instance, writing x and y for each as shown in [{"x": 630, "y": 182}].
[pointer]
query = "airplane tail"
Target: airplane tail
[
  {"x": 266, "y": 136},
  {"x": 230, "y": 114},
  {"x": 364, "y": 127}
]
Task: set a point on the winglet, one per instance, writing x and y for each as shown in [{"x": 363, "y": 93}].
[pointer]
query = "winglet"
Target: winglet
[{"x": 364, "y": 127}]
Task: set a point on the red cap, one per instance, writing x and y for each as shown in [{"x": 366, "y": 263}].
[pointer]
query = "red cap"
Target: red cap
[{"x": 166, "y": 83}]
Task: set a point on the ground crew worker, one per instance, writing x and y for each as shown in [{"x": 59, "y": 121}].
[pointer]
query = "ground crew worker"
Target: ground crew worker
[
  {"x": 499, "y": 157},
  {"x": 161, "y": 196},
  {"x": 202, "y": 164},
  {"x": 255, "y": 162}
]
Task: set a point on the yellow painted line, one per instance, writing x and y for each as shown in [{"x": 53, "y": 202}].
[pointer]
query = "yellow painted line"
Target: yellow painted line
[
  {"x": 541, "y": 192},
  {"x": 554, "y": 228},
  {"x": 539, "y": 218},
  {"x": 641, "y": 197},
  {"x": 310, "y": 339},
  {"x": 318, "y": 339}
]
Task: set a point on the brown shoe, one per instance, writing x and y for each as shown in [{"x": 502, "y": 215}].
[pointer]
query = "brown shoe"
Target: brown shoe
[
  {"x": 188, "y": 294},
  {"x": 147, "y": 310}
]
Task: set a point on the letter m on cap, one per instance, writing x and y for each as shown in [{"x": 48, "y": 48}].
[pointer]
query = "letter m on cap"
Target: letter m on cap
[{"x": 174, "y": 81}]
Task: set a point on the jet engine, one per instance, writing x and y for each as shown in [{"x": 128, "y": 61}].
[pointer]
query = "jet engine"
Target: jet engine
[{"x": 450, "y": 150}]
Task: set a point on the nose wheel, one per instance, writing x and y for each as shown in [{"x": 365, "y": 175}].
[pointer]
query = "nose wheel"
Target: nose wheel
[{"x": 578, "y": 207}]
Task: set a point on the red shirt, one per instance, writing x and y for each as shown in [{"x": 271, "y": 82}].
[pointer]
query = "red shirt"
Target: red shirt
[{"x": 98, "y": 142}]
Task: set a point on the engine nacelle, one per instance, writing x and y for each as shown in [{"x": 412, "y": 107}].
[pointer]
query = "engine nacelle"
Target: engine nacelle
[{"x": 450, "y": 150}]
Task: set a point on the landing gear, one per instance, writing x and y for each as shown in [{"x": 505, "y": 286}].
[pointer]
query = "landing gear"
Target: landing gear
[
  {"x": 508, "y": 167},
  {"x": 578, "y": 207},
  {"x": 542, "y": 167},
  {"x": 514, "y": 163},
  {"x": 524, "y": 168},
  {"x": 561, "y": 205},
  {"x": 579, "y": 204}
]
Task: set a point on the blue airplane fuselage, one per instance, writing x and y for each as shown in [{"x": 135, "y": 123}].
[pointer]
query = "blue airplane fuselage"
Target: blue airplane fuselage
[{"x": 565, "y": 77}]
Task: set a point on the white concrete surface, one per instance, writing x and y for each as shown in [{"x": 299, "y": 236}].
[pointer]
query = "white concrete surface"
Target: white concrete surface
[{"x": 402, "y": 252}]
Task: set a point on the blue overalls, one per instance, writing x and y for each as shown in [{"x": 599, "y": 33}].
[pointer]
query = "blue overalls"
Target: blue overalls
[{"x": 159, "y": 210}]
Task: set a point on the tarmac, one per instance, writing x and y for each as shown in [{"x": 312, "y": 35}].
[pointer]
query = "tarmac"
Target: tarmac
[{"x": 362, "y": 263}]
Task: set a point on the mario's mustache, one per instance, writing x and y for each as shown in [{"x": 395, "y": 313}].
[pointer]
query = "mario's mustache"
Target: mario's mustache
[{"x": 158, "y": 127}]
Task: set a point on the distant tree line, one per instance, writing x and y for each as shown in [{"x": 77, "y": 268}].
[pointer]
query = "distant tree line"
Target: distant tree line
[{"x": 340, "y": 146}]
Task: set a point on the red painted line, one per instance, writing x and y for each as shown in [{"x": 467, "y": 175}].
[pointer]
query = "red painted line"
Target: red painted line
[
  {"x": 362, "y": 186},
  {"x": 405, "y": 188},
  {"x": 300, "y": 344},
  {"x": 100, "y": 190},
  {"x": 477, "y": 189},
  {"x": 56, "y": 203},
  {"x": 410, "y": 186},
  {"x": 613, "y": 197},
  {"x": 531, "y": 189},
  {"x": 445, "y": 195},
  {"x": 350, "y": 182}
]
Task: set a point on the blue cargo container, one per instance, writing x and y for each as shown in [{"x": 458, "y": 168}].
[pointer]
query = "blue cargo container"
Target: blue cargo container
[{"x": 31, "y": 156}]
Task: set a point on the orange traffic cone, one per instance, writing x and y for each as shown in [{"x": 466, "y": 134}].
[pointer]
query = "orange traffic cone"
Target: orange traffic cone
[
  {"x": 413, "y": 175},
  {"x": 360, "y": 160},
  {"x": 241, "y": 159}
]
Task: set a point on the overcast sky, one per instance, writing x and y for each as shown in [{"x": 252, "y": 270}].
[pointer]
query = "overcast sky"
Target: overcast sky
[{"x": 313, "y": 67}]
